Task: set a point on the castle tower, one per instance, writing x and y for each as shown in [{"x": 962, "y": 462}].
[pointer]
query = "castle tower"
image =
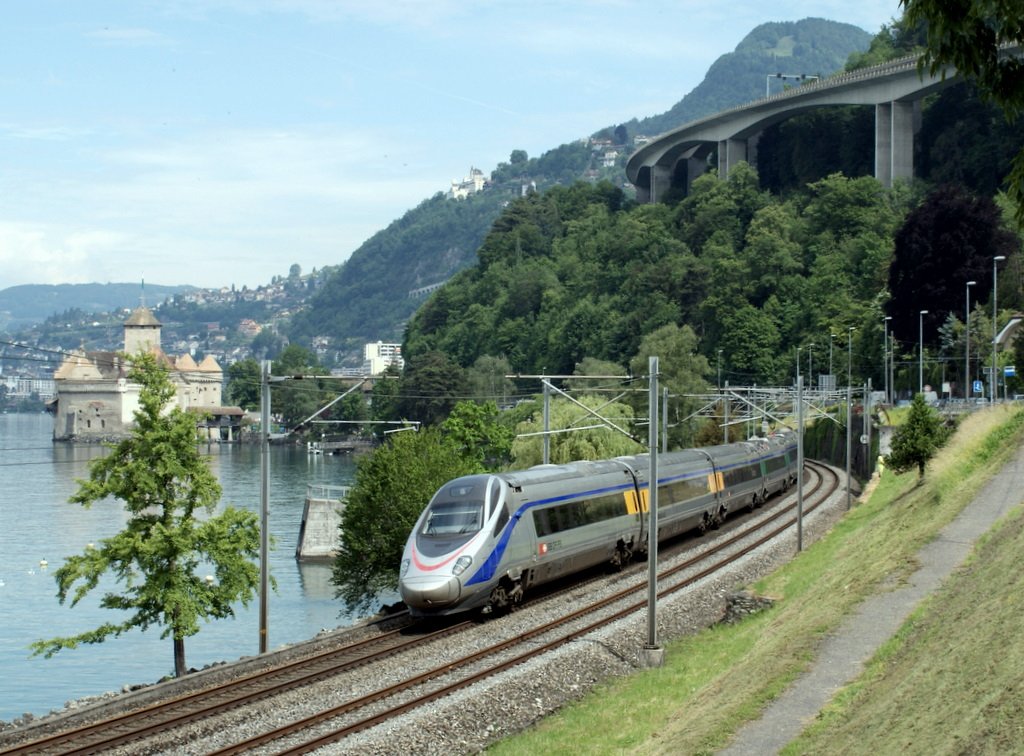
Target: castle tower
[{"x": 141, "y": 331}]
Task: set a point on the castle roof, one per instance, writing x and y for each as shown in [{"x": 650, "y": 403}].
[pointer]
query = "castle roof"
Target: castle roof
[
  {"x": 209, "y": 365},
  {"x": 92, "y": 366},
  {"x": 185, "y": 362},
  {"x": 142, "y": 316}
]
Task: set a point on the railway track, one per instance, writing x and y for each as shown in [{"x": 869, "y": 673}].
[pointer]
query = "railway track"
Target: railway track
[
  {"x": 543, "y": 639},
  {"x": 181, "y": 710},
  {"x": 208, "y": 707}
]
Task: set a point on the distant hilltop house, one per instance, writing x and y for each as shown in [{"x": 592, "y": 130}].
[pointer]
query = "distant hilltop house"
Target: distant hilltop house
[
  {"x": 471, "y": 184},
  {"x": 95, "y": 400}
]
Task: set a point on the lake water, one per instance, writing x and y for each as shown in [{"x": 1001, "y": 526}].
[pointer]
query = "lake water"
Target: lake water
[{"x": 37, "y": 523}]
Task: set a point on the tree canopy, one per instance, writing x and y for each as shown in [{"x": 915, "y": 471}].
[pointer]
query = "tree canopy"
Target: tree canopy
[
  {"x": 916, "y": 441},
  {"x": 584, "y": 436},
  {"x": 578, "y": 273},
  {"x": 297, "y": 399},
  {"x": 971, "y": 35},
  {"x": 243, "y": 384},
  {"x": 172, "y": 538},
  {"x": 948, "y": 240},
  {"x": 392, "y": 487}
]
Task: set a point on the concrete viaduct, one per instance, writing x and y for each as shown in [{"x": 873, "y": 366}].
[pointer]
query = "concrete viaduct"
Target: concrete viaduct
[{"x": 895, "y": 89}]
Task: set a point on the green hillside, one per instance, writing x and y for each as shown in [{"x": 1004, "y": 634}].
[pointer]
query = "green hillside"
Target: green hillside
[
  {"x": 948, "y": 682},
  {"x": 373, "y": 294},
  {"x": 813, "y": 46}
]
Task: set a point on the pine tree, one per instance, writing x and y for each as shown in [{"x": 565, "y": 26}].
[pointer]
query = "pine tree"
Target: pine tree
[
  {"x": 166, "y": 485},
  {"x": 916, "y": 441}
]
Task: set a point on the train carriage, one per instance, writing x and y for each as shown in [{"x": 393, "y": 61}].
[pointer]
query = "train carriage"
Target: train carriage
[
  {"x": 687, "y": 492},
  {"x": 778, "y": 463},
  {"x": 738, "y": 476},
  {"x": 572, "y": 527},
  {"x": 484, "y": 539}
]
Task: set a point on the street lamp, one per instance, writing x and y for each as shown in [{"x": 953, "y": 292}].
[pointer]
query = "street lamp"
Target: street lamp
[
  {"x": 885, "y": 354},
  {"x": 849, "y": 355},
  {"x": 920, "y": 351},
  {"x": 995, "y": 280},
  {"x": 967, "y": 361},
  {"x": 798, "y": 349}
]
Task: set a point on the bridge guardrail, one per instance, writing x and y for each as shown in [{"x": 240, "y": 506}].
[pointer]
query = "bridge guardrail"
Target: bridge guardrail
[{"x": 339, "y": 493}]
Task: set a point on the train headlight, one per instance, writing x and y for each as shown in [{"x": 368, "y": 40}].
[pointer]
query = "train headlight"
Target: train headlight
[
  {"x": 404, "y": 568},
  {"x": 461, "y": 564}
]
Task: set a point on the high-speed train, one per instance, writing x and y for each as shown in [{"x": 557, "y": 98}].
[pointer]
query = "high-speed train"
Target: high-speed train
[{"x": 484, "y": 540}]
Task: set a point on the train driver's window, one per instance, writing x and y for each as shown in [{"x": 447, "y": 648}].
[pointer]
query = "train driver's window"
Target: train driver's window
[{"x": 496, "y": 504}]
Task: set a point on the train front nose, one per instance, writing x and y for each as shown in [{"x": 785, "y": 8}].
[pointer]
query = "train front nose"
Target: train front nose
[{"x": 419, "y": 592}]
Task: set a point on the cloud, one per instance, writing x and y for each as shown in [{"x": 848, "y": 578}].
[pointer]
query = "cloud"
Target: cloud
[
  {"x": 44, "y": 133},
  {"x": 219, "y": 207},
  {"x": 35, "y": 253}
]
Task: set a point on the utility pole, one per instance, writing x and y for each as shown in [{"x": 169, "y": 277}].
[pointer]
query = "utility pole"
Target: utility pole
[
  {"x": 264, "y": 501},
  {"x": 800, "y": 463},
  {"x": 653, "y": 654}
]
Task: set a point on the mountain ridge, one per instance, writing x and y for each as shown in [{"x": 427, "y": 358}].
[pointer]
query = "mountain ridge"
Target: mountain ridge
[{"x": 26, "y": 304}]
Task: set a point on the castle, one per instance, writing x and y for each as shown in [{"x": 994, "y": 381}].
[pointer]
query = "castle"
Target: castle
[{"x": 96, "y": 401}]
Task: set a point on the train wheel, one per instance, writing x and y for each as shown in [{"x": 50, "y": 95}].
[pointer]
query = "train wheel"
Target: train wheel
[
  {"x": 505, "y": 596},
  {"x": 499, "y": 598},
  {"x": 622, "y": 556}
]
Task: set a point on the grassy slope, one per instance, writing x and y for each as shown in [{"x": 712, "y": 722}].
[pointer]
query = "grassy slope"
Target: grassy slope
[{"x": 953, "y": 663}]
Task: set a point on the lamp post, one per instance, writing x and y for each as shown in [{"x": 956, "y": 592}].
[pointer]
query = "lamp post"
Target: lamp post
[
  {"x": 810, "y": 366},
  {"x": 920, "y": 351},
  {"x": 885, "y": 355},
  {"x": 995, "y": 281},
  {"x": 831, "y": 340},
  {"x": 967, "y": 361},
  {"x": 798, "y": 349},
  {"x": 719, "y": 369},
  {"x": 849, "y": 355}
]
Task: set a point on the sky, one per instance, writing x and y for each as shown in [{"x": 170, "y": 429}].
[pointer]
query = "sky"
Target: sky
[{"x": 219, "y": 142}]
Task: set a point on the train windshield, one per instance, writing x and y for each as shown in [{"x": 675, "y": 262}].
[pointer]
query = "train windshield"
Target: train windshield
[{"x": 455, "y": 510}]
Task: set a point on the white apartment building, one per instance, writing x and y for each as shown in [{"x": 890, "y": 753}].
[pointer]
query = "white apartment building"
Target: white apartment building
[{"x": 380, "y": 355}]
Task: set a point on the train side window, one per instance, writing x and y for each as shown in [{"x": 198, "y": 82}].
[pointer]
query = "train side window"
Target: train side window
[
  {"x": 541, "y": 523},
  {"x": 503, "y": 518},
  {"x": 503, "y": 515}
]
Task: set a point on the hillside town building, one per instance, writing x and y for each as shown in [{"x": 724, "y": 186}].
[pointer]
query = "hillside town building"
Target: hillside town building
[
  {"x": 96, "y": 401},
  {"x": 380, "y": 356}
]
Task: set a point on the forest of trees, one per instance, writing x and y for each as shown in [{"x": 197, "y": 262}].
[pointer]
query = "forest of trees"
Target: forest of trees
[{"x": 579, "y": 272}]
